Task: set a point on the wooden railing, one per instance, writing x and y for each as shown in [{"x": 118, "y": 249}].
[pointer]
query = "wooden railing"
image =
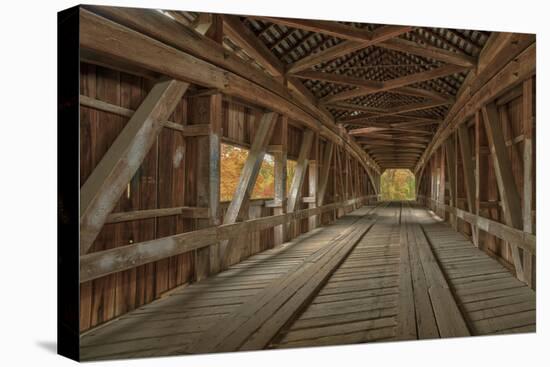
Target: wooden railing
[
  {"x": 101, "y": 263},
  {"x": 524, "y": 240}
]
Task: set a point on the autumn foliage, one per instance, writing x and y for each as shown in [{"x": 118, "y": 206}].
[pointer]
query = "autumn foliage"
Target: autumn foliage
[
  {"x": 397, "y": 184},
  {"x": 232, "y": 162}
]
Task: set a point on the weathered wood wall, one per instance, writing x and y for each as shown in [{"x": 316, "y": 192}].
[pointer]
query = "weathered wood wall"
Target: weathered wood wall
[
  {"x": 516, "y": 112},
  {"x": 167, "y": 178}
]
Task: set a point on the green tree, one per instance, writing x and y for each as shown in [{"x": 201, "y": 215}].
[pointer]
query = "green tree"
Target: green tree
[{"x": 397, "y": 184}]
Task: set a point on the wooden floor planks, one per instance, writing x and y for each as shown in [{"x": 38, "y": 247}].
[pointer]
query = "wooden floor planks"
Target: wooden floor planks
[{"x": 377, "y": 274}]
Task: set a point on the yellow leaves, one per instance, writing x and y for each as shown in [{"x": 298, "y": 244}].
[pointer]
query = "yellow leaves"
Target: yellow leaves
[
  {"x": 231, "y": 165},
  {"x": 397, "y": 184}
]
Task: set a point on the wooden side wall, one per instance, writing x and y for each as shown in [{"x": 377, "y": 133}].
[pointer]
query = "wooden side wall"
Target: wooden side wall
[
  {"x": 513, "y": 119},
  {"x": 166, "y": 179}
]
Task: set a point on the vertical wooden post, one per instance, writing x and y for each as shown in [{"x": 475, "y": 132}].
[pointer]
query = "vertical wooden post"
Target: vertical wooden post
[
  {"x": 325, "y": 172},
  {"x": 300, "y": 171},
  {"x": 469, "y": 173},
  {"x": 313, "y": 171},
  {"x": 477, "y": 176},
  {"x": 280, "y": 137},
  {"x": 205, "y": 172},
  {"x": 528, "y": 179},
  {"x": 511, "y": 204},
  {"x": 295, "y": 192},
  {"x": 442, "y": 180},
  {"x": 451, "y": 171}
]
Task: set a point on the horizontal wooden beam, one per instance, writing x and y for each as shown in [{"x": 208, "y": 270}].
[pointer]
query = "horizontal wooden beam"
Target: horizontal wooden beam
[
  {"x": 330, "y": 28},
  {"x": 403, "y": 81},
  {"x": 186, "y": 130},
  {"x": 403, "y": 45},
  {"x": 101, "y": 263},
  {"x": 339, "y": 79},
  {"x": 524, "y": 240},
  {"x": 184, "y": 211}
]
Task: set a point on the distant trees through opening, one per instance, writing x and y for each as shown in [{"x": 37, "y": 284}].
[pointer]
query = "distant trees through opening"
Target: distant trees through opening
[
  {"x": 231, "y": 164},
  {"x": 397, "y": 184}
]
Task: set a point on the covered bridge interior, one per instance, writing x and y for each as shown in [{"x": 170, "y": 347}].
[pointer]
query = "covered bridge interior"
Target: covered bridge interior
[{"x": 167, "y": 267}]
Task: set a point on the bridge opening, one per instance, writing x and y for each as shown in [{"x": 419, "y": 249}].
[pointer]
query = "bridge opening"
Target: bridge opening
[{"x": 397, "y": 184}]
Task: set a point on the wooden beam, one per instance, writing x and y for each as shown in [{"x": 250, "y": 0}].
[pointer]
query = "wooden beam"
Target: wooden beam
[
  {"x": 199, "y": 60},
  {"x": 339, "y": 79},
  {"x": 528, "y": 120},
  {"x": 477, "y": 156},
  {"x": 245, "y": 39},
  {"x": 511, "y": 202},
  {"x": 280, "y": 136},
  {"x": 205, "y": 172},
  {"x": 398, "y": 82},
  {"x": 102, "y": 189},
  {"x": 451, "y": 176},
  {"x": 346, "y": 47},
  {"x": 505, "y": 78},
  {"x": 186, "y": 130},
  {"x": 202, "y": 23},
  {"x": 300, "y": 171},
  {"x": 330, "y": 28},
  {"x": 313, "y": 178},
  {"x": 184, "y": 211},
  {"x": 249, "y": 174},
  {"x": 524, "y": 240},
  {"x": 468, "y": 172},
  {"x": 101, "y": 263},
  {"x": 403, "y": 45}
]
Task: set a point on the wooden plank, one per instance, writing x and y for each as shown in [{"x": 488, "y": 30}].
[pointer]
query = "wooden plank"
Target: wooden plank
[
  {"x": 511, "y": 202},
  {"x": 450, "y": 321},
  {"x": 406, "y": 319},
  {"x": 100, "y": 192},
  {"x": 249, "y": 174},
  {"x": 254, "y": 324},
  {"x": 184, "y": 211}
]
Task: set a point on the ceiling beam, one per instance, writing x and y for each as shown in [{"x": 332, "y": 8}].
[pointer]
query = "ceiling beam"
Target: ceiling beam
[
  {"x": 330, "y": 28},
  {"x": 369, "y": 84},
  {"x": 435, "y": 53},
  {"x": 244, "y": 38},
  {"x": 398, "y": 82},
  {"x": 380, "y": 35},
  {"x": 339, "y": 79}
]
